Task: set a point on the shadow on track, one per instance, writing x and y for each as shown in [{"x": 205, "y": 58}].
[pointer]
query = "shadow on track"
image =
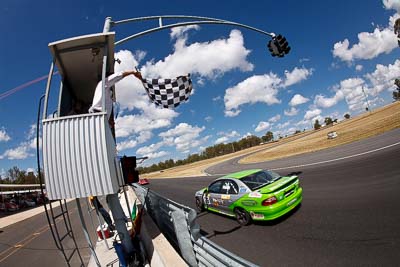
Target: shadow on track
[
  {"x": 280, "y": 219},
  {"x": 216, "y": 232}
]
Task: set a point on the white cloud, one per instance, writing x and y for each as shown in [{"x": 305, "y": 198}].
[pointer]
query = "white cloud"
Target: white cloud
[
  {"x": 370, "y": 45},
  {"x": 258, "y": 88},
  {"x": 326, "y": 102},
  {"x": 275, "y": 118},
  {"x": 131, "y": 143},
  {"x": 157, "y": 154},
  {"x": 351, "y": 90},
  {"x": 207, "y": 59},
  {"x": 144, "y": 151},
  {"x": 24, "y": 149},
  {"x": 359, "y": 67},
  {"x": 392, "y": 4},
  {"x": 232, "y": 113},
  {"x": 32, "y": 143},
  {"x": 303, "y": 123},
  {"x": 151, "y": 118},
  {"x": 301, "y": 60},
  {"x": 262, "y": 126},
  {"x": 178, "y": 32},
  {"x": 208, "y": 118},
  {"x": 291, "y": 112},
  {"x": 4, "y": 137},
  {"x": 383, "y": 77},
  {"x": 283, "y": 125},
  {"x": 28, "y": 170},
  {"x": 20, "y": 152},
  {"x": 183, "y": 137},
  {"x": 144, "y": 136},
  {"x": 226, "y": 136},
  {"x": 229, "y": 134},
  {"x": 296, "y": 75},
  {"x": 298, "y": 100},
  {"x": 217, "y": 98},
  {"x": 32, "y": 131},
  {"x": 222, "y": 139},
  {"x": 312, "y": 113}
]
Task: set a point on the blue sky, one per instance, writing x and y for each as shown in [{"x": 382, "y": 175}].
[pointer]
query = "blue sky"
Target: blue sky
[{"x": 338, "y": 48}]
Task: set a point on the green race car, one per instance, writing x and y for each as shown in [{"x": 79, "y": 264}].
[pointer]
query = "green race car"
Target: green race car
[{"x": 251, "y": 195}]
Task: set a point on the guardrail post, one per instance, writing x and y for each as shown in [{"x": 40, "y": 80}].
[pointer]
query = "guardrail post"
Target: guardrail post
[{"x": 183, "y": 236}]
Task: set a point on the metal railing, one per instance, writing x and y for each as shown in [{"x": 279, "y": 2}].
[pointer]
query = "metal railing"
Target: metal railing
[{"x": 178, "y": 223}]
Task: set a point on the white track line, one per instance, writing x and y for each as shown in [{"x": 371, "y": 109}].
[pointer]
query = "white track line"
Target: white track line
[
  {"x": 342, "y": 158},
  {"x": 331, "y": 160}
]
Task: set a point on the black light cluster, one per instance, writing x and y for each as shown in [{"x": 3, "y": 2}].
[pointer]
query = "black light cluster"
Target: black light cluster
[{"x": 278, "y": 46}]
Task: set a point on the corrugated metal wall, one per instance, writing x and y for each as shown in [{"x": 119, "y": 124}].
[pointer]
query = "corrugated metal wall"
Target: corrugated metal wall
[{"x": 79, "y": 156}]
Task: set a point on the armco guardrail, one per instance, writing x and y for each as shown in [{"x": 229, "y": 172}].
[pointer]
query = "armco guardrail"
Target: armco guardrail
[{"x": 178, "y": 223}]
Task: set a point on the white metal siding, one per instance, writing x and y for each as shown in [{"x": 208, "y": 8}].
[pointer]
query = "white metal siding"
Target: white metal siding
[{"x": 79, "y": 157}]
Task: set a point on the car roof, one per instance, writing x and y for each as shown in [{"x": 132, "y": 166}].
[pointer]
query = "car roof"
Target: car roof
[{"x": 241, "y": 174}]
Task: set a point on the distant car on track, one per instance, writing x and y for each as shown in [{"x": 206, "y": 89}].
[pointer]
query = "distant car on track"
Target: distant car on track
[
  {"x": 143, "y": 181},
  {"x": 332, "y": 135},
  {"x": 251, "y": 195}
]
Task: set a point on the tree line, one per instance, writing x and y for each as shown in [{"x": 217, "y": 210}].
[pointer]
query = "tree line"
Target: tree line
[
  {"x": 16, "y": 176},
  {"x": 211, "y": 152}
]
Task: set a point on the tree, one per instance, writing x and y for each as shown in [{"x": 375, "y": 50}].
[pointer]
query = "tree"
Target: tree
[
  {"x": 396, "y": 92},
  {"x": 16, "y": 175},
  {"x": 328, "y": 120},
  {"x": 317, "y": 125},
  {"x": 347, "y": 116},
  {"x": 269, "y": 136}
]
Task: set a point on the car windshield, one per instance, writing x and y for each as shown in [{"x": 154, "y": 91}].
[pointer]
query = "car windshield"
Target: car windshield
[{"x": 260, "y": 179}]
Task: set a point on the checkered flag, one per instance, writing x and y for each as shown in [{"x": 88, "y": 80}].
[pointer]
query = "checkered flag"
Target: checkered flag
[{"x": 168, "y": 93}]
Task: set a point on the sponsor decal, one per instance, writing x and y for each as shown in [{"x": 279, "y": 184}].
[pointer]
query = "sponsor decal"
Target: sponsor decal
[
  {"x": 248, "y": 203},
  {"x": 242, "y": 190},
  {"x": 217, "y": 201},
  {"x": 255, "y": 194},
  {"x": 226, "y": 197}
]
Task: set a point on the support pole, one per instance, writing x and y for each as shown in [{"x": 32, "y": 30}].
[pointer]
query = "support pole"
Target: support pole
[
  {"x": 107, "y": 25},
  {"x": 112, "y": 199}
]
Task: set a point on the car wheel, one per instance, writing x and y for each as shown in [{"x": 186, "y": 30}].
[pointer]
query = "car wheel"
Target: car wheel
[
  {"x": 199, "y": 204},
  {"x": 242, "y": 217}
]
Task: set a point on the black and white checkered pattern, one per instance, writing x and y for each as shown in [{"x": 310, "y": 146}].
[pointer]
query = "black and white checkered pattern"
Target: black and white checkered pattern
[{"x": 168, "y": 93}]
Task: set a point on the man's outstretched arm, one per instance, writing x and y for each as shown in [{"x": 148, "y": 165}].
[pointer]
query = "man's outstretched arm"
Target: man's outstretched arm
[{"x": 137, "y": 74}]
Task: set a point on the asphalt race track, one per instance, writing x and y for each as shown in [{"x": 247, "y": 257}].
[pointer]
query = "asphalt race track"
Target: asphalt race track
[
  {"x": 29, "y": 242},
  {"x": 350, "y": 214}
]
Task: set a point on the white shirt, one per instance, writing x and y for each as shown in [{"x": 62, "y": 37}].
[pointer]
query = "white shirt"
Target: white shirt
[{"x": 98, "y": 94}]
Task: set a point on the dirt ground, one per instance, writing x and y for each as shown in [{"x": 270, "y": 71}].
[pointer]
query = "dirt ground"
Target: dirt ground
[{"x": 366, "y": 125}]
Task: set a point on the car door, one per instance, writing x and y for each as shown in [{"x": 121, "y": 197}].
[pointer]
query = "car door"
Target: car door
[
  {"x": 229, "y": 194},
  {"x": 213, "y": 196}
]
